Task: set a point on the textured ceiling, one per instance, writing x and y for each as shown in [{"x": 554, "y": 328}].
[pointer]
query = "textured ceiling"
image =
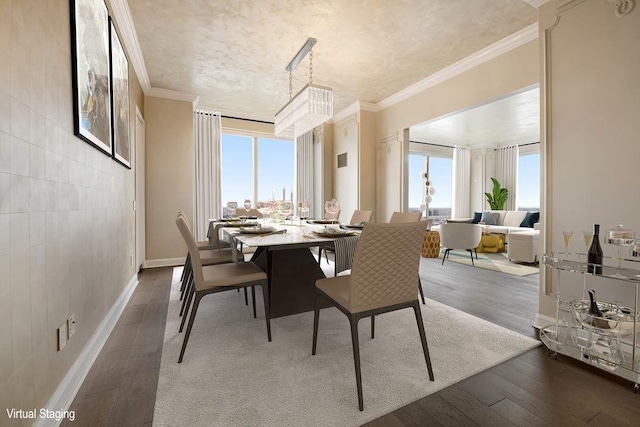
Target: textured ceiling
[
  {"x": 233, "y": 53},
  {"x": 514, "y": 119}
]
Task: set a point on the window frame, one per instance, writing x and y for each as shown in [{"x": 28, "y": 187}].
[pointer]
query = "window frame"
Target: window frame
[
  {"x": 255, "y": 136},
  {"x": 427, "y": 151}
]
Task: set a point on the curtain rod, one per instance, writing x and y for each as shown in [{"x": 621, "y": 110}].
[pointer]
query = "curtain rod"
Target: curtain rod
[{"x": 247, "y": 120}]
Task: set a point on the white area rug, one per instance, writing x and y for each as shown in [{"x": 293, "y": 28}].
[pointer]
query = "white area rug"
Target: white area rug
[
  {"x": 232, "y": 376},
  {"x": 491, "y": 261}
]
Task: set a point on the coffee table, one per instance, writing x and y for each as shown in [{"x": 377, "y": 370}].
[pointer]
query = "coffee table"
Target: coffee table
[{"x": 492, "y": 242}]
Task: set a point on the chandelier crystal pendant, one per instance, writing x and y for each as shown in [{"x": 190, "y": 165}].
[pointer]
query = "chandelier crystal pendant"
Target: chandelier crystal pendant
[{"x": 311, "y": 107}]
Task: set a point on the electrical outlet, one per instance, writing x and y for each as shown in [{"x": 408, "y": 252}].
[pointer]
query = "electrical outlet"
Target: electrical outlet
[
  {"x": 71, "y": 325},
  {"x": 62, "y": 336}
]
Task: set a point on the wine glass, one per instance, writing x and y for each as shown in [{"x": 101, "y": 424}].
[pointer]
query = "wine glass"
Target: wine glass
[
  {"x": 332, "y": 208},
  {"x": 304, "y": 208},
  {"x": 247, "y": 206},
  {"x": 285, "y": 209},
  {"x": 231, "y": 209},
  {"x": 265, "y": 209},
  {"x": 620, "y": 237},
  {"x": 567, "y": 235}
]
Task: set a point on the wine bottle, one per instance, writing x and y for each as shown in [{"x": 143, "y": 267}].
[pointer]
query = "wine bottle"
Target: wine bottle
[
  {"x": 594, "y": 255},
  {"x": 598, "y": 320},
  {"x": 593, "y": 305}
]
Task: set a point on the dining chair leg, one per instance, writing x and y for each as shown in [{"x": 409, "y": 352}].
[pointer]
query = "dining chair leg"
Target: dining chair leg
[
  {"x": 373, "y": 326},
  {"x": 316, "y": 318},
  {"x": 253, "y": 301},
  {"x": 420, "y": 289},
  {"x": 191, "y": 318},
  {"x": 423, "y": 338},
  {"x": 353, "y": 320},
  {"x": 188, "y": 276},
  {"x": 267, "y": 314},
  {"x": 186, "y": 294},
  {"x": 471, "y": 253},
  {"x": 319, "y": 254},
  {"x": 246, "y": 298},
  {"x": 188, "y": 298},
  {"x": 446, "y": 252},
  {"x": 185, "y": 270}
]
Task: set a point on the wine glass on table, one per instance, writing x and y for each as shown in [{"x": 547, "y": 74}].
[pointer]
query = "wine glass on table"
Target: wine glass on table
[
  {"x": 304, "y": 208},
  {"x": 285, "y": 208},
  {"x": 265, "y": 209},
  {"x": 332, "y": 209},
  {"x": 247, "y": 207},
  {"x": 620, "y": 237}
]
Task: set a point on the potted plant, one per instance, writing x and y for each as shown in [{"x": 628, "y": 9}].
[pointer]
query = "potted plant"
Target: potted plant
[{"x": 499, "y": 196}]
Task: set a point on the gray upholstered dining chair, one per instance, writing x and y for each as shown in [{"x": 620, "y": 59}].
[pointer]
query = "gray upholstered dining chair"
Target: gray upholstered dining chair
[
  {"x": 460, "y": 236},
  {"x": 218, "y": 278},
  {"x": 210, "y": 252},
  {"x": 358, "y": 217},
  {"x": 397, "y": 217},
  {"x": 383, "y": 279},
  {"x": 400, "y": 217}
]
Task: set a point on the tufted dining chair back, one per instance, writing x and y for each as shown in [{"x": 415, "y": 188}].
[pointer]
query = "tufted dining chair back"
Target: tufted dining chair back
[
  {"x": 397, "y": 217},
  {"x": 385, "y": 265}
]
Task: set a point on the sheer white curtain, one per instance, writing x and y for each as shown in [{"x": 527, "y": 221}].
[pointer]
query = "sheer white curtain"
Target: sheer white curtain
[
  {"x": 304, "y": 166},
  {"x": 207, "y": 134},
  {"x": 461, "y": 183},
  {"x": 507, "y": 173}
]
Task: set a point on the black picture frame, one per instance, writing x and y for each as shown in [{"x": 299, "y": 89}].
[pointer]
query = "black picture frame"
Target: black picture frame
[
  {"x": 91, "y": 79},
  {"x": 120, "y": 99}
]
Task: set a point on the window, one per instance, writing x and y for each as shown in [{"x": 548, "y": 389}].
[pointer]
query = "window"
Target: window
[
  {"x": 441, "y": 176},
  {"x": 256, "y": 168},
  {"x": 528, "y": 193}
]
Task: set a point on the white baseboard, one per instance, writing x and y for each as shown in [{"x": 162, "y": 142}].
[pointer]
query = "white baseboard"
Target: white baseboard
[
  {"x": 165, "y": 262},
  {"x": 542, "y": 320},
  {"x": 66, "y": 391}
]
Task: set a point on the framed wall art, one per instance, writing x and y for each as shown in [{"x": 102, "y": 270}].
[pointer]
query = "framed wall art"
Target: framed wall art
[
  {"x": 120, "y": 101},
  {"x": 90, "y": 73}
]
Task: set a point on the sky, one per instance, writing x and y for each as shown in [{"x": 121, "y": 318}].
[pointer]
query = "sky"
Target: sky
[
  {"x": 529, "y": 181},
  {"x": 275, "y": 168}
]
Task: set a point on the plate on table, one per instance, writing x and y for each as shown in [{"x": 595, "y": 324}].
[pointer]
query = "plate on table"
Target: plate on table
[
  {"x": 333, "y": 232},
  {"x": 256, "y": 230},
  {"x": 323, "y": 221},
  {"x": 247, "y": 224},
  {"x": 352, "y": 226},
  {"x": 227, "y": 220}
]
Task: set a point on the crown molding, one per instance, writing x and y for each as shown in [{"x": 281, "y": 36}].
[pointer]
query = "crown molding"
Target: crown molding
[
  {"x": 124, "y": 22},
  {"x": 490, "y": 52},
  {"x": 345, "y": 113},
  {"x": 173, "y": 94},
  {"x": 536, "y": 3}
]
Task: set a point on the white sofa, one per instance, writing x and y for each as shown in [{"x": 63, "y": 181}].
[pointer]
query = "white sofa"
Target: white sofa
[{"x": 507, "y": 222}]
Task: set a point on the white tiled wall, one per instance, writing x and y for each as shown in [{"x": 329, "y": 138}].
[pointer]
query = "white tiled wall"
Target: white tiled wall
[{"x": 66, "y": 224}]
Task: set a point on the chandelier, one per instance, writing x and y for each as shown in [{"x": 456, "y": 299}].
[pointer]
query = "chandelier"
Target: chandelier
[{"x": 311, "y": 107}]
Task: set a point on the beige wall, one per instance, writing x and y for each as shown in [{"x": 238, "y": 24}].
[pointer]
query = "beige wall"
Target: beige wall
[
  {"x": 345, "y": 140},
  {"x": 510, "y": 72},
  {"x": 66, "y": 219},
  {"x": 169, "y": 175},
  {"x": 367, "y": 162},
  {"x": 591, "y": 145}
]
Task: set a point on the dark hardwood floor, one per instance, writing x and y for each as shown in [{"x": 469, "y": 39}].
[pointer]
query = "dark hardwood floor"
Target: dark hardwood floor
[{"x": 531, "y": 389}]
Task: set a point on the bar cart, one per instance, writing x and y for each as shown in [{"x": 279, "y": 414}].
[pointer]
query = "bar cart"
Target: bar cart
[{"x": 610, "y": 342}]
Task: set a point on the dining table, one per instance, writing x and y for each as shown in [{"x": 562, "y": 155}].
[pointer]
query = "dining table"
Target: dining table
[{"x": 285, "y": 255}]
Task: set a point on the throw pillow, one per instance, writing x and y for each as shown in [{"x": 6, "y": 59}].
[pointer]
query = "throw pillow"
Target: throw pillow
[
  {"x": 490, "y": 218},
  {"x": 529, "y": 219},
  {"x": 477, "y": 216}
]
